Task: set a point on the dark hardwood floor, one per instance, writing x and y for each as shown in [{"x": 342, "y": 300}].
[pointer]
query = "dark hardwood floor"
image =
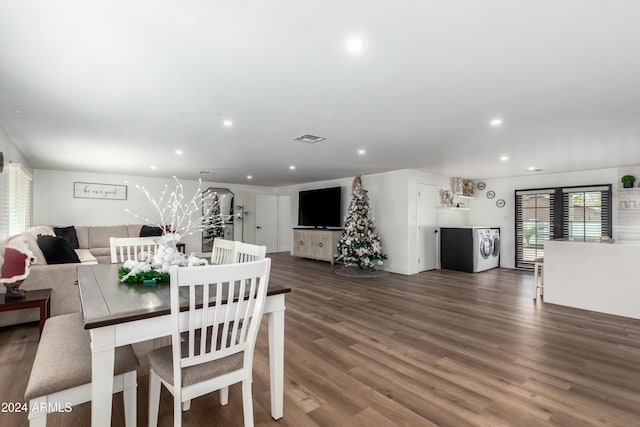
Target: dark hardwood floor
[{"x": 438, "y": 348}]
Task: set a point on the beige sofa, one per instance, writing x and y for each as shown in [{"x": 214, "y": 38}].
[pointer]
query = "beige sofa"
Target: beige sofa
[{"x": 93, "y": 248}]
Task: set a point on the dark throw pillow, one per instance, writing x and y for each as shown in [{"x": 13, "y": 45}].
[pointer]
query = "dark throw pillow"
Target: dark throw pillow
[
  {"x": 57, "y": 250},
  {"x": 150, "y": 231},
  {"x": 69, "y": 234}
]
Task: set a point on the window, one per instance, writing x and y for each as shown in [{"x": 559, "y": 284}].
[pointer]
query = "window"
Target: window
[
  {"x": 18, "y": 214},
  {"x": 585, "y": 212},
  {"x": 577, "y": 213},
  {"x": 535, "y": 214}
]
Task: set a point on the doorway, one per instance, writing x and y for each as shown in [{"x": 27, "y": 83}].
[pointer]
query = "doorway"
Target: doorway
[{"x": 427, "y": 228}]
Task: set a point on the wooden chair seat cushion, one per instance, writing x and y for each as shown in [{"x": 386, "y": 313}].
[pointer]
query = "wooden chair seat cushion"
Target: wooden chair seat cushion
[
  {"x": 63, "y": 358},
  {"x": 161, "y": 361}
]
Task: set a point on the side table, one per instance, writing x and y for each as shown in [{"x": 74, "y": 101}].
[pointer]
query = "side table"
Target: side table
[{"x": 38, "y": 298}]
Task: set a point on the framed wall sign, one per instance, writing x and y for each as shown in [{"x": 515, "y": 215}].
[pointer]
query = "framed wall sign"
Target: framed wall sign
[{"x": 89, "y": 190}]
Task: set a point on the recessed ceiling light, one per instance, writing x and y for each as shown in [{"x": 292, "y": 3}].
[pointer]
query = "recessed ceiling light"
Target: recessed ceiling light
[
  {"x": 18, "y": 112},
  {"x": 154, "y": 167},
  {"x": 504, "y": 158},
  {"x": 531, "y": 168},
  {"x": 361, "y": 152},
  {"x": 292, "y": 167},
  {"x": 179, "y": 152},
  {"x": 354, "y": 45},
  {"x": 249, "y": 177},
  {"x": 496, "y": 122},
  {"x": 227, "y": 123}
]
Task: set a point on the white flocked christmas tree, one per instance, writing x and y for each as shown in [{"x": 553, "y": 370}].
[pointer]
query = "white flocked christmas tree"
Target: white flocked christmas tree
[{"x": 360, "y": 243}]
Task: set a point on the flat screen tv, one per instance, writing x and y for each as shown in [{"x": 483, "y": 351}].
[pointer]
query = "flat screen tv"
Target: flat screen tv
[{"x": 320, "y": 208}]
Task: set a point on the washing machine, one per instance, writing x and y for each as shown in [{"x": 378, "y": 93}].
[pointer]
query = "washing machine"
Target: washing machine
[{"x": 495, "y": 251}]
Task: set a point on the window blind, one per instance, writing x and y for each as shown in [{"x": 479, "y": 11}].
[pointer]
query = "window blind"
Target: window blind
[
  {"x": 19, "y": 200},
  {"x": 535, "y": 223},
  {"x": 586, "y": 212}
]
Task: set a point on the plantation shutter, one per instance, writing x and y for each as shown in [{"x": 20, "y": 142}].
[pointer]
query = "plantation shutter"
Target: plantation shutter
[
  {"x": 586, "y": 212},
  {"x": 19, "y": 200},
  {"x": 535, "y": 223}
]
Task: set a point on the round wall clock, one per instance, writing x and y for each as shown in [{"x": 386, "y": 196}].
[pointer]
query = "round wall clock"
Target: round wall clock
[
  {"x": 500, "y": 203},
  {"x": 491, "y": 194},
  {"x": 481, "y": 185}
]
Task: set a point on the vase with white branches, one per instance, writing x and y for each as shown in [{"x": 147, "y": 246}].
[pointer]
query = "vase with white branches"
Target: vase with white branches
[{"x": 178, "y": 216}]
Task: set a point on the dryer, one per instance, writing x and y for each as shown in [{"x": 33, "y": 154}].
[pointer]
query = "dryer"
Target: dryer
[{"x": 482, "y": 249}]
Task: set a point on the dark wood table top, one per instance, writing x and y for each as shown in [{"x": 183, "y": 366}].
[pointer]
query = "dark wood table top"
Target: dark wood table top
[
  {"x": 105, "y": 301},
  {"x": 31, "y": 296}
]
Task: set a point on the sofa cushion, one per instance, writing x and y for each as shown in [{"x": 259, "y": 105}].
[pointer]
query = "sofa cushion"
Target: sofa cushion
[
  {"x": 99, "y": 236},
  {"x": 134, "y": 230},
  {"x": 150, "y": 231},
  {"x": 57, "y": 250},
  {"x": 82, "y": 232},
  {"x": 68, "y": 233},
  {"x": 98, "y": 252},
  {"x": 85, "y": 256}
]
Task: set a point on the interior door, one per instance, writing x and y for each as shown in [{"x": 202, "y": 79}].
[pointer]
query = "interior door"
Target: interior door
[
  {"x": 285, "y": 233},
  {"x": 427, "y": 229},
  {"x": 267, "y": 221}
]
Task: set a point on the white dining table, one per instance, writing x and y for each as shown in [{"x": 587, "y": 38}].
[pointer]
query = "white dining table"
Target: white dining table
[{"x": 117, "y": 314}]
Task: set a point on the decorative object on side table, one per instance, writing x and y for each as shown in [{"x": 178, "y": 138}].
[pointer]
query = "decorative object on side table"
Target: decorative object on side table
[
  {"x": 628, "y": 180},
  {"x": 16, "y": 266}
]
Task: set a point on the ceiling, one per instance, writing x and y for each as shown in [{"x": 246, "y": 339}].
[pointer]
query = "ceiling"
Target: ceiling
[{"x": 117, "y": 86}]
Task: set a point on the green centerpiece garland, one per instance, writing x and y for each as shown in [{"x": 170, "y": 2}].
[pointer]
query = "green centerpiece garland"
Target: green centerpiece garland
[{"x": 158, "y": 276}]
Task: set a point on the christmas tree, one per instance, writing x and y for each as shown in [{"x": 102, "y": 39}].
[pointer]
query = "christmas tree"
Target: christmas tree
[{"x": 360, "y": 243}]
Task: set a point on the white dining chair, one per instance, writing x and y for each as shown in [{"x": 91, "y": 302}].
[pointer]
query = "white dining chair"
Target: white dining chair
[
  {"x": 246, "y": 252},
  {"x": 61, "y": 373},
  {"x": 200, "y": 362},
  {"x": 223, "y": 251},
  {"x": 132, "y": 248}
]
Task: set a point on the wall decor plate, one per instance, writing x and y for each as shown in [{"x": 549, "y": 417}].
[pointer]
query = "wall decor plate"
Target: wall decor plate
[
  {"x": 500, "y": 203},
  {"x": 491, "y": 194},
  {"x": 481, "y": 185}
]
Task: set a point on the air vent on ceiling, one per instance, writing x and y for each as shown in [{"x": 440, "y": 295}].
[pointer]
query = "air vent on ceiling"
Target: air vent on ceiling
[{"x": 309, "y": 139}]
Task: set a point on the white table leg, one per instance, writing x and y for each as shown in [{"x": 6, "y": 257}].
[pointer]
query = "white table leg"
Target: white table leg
[
  {"x": 276, "y": 362},
  {"x": 102, "y": 362}
]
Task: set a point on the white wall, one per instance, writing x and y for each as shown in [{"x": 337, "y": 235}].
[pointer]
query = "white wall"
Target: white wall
[
  {"x": 393, "y": 201},
  {"x": 54, "y": 203},
  {"x": 485, "y": 212},
  {"x": 388, "y": 202}
]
